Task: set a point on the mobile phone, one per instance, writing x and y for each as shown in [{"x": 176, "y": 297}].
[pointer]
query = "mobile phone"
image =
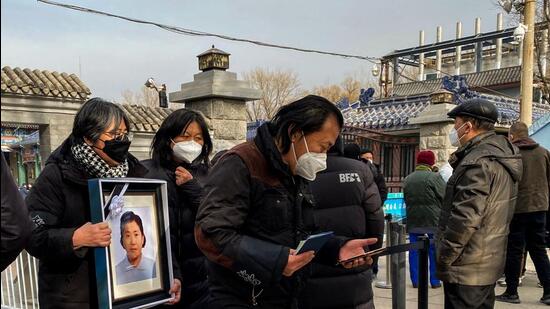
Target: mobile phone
[{"x": 364, "y": 255}]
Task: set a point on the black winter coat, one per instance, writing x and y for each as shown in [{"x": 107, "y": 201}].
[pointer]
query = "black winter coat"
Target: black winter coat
[
  {"x": 534, "y": 187},
  {"x": 378, "y": 179},
  {"x": 252, "y": 213},
  {"x": 346, "y": 202},
  {"x": 16, "y": 226},
  {"x": 188, "y": 261},
  {"x": 58, "y": 205}
]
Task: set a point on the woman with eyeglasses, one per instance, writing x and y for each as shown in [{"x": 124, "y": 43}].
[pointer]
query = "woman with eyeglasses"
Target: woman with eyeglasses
[
  {"x": 180, "y": 156},
  {"x": 58, "y": 203}
]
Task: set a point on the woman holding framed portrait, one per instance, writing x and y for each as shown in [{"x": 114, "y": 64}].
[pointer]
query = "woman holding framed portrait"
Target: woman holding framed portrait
[
  {"x": 180, "y": 152},
  {"x": 59, "y": 204}
]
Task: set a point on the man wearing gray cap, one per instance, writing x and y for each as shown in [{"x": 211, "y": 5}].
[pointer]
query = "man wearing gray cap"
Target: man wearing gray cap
[{"x": 478, "y": 207}]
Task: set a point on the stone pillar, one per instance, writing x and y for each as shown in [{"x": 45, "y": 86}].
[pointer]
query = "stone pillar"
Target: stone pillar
[
  {"x": 435, "y": 126},
  {"x": 220, "y": 96}
]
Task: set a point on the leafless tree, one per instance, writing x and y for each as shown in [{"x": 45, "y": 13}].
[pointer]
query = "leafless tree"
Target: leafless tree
[
  {"x": 146, "y": 96},
  {"x": 278, "y": 87},
  {"x": 349, "y": 88},
  {"x": 542, "y": 74}
]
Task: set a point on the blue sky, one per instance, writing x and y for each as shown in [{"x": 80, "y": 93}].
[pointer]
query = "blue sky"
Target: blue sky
[{"x": 116, "y": 55}]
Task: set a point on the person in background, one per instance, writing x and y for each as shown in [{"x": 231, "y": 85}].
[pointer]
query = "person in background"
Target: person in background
[
  {"x": 16, "y": 226},
  {"x": 367, "y": 156},
  {"x": 353, "y": 151},
  {"x": 423, "y": 191},
  {"x": 257, "y": 207},
  {"x": 446, "y": 171},
  {"x": 63, "y": 237},
  {"x": 180, "y": 151},
  {"x": 528, "y": 226},
  {"x": 479, "y": 203},
  {"x": 358, "y": 213}
]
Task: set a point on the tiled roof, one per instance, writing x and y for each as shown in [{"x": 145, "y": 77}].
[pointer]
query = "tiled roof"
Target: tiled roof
[
  {"x": 42, "y": 83},
  {"x": 394, "y": 113},
  {"x": 145, "y": 118},
  {"x": 489, "y": 78}
]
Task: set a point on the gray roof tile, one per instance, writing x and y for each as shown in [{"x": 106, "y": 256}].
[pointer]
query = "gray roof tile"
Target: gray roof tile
[
  {"x": 43, "y": 83},
  {"x": 489, "y": 78}
]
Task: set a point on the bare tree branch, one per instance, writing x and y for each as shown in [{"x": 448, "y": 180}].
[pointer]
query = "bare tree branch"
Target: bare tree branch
[{"x": 278, "y": 88}]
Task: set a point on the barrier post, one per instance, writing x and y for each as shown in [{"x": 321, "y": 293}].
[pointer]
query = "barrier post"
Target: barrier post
[
  {"x": 398, "y": 267},
  {"x": 423, "y": 272},
  {"x": 387, "y": 283}
]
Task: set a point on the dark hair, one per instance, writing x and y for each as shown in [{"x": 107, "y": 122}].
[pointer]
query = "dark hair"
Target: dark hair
[
  {"x": 175, "y": 124},
  {"x": 366, "y": 150},
  {"x": 352, "y": 151},
  {"x": 307, "y": 115},
  {"x": 519, "y": 130},
  {"x": 338, "y": 147},
  {"x": 129, "y": 217},
  {"x": 94, "y": 117},
  {"x": 478, "y": 124}
]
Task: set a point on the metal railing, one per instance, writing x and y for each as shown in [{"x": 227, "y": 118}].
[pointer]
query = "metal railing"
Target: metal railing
[
  {"x": 396, "y": 265},
  {"x": 20, "y": 283}
]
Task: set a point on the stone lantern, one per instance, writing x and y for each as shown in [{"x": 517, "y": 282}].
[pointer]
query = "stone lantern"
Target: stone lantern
[
  {"x": 220, "y": 96},
  {"x": 213, "y": 59},
  {"x": 442, "y": 96}
]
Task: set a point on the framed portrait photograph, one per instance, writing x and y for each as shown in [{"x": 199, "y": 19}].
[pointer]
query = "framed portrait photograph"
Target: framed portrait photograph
[{"x": 135, "y": 271}]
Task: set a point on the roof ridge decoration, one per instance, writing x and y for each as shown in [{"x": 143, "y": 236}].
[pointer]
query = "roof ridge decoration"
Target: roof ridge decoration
[
  {"x": 458, "y": 85},
  {"x": 43, "y": 83}
]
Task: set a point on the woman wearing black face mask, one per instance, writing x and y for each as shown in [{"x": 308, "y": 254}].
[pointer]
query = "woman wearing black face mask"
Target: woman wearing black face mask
[
  {"x": 180, "y": 151},
  {"x": 58, "y": 203}
]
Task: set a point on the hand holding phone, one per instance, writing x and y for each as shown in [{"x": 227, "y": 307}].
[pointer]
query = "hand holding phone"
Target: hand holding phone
[{"x": 370, "y": 254}]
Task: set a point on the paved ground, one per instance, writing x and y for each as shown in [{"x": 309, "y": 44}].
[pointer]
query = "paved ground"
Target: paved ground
[{"x": 529, "y": 293}]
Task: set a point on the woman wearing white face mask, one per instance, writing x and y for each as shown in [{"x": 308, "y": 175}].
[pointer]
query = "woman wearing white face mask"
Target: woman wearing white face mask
[
  {"x": 258, "y": 207},
  {"x": 180, "y": 151}
]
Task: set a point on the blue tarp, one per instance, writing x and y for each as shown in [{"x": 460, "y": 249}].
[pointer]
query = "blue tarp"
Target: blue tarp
[{"x": 540, "y": 131}]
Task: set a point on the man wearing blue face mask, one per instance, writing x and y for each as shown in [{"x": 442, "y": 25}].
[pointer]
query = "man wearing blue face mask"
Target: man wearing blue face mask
[
  {"x": 257, "y": 207},
  {"x": 477, "y": 208}
]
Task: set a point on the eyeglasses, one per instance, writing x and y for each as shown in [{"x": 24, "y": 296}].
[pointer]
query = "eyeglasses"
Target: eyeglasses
[{"x": 123, "y": 136}]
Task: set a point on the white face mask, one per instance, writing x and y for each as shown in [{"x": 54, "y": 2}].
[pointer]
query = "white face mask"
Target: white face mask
[
  {"x": 310, "y": 163},
  {"x": 453, "y": 136},
  {"x": 187, "y": 151}
]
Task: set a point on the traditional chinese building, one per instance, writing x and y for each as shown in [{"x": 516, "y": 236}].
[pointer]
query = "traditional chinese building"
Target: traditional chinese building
[{"x": 38, "y": 108}]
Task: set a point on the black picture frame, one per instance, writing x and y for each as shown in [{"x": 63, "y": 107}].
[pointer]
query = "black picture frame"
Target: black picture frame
[{"x": 120, "y": 284}]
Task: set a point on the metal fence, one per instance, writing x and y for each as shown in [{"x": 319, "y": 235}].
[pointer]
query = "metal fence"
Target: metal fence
[
  {"x": 394, "y": 153},
  {"x": 20, "y": 284}
]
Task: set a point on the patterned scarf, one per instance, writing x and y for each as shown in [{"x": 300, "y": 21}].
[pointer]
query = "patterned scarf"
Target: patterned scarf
[{"x": 94, "y": 165}]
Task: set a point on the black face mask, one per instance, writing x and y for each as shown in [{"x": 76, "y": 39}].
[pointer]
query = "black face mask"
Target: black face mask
[{"x": 117, "y": 149}]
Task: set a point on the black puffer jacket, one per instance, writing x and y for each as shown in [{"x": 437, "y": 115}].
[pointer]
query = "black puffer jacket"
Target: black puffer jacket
[
  {"x": 477, "y": 209},
  {"x": 59, "y": 204},
  {"x": 183, "y": 202},
  {"x": 346, "y": 202},
  {"x": 252, "y": 213},
  {"x": 16, "y": 226}
]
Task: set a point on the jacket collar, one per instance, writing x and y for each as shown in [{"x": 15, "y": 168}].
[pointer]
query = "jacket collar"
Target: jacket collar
[
  {"x": 525, "y": 143},
  {"x": 423, "y": 167},
  {"x": 266, "y": 144},
  {"x": 461, "y": 152}
]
